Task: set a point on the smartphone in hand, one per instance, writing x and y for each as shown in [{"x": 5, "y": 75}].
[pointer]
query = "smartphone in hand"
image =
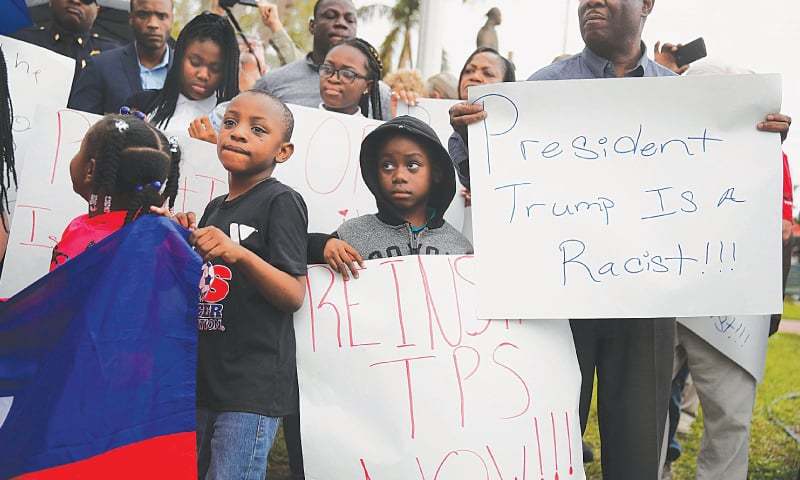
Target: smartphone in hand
[{"x": 691, "y": 52}]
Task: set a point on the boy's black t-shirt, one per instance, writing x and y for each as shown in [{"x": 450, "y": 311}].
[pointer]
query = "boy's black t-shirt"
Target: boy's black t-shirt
[{"x": 246, "y": 359}]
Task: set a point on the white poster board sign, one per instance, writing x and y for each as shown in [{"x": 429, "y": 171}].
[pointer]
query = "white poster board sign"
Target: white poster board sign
[
  {"x": 325, "y": 169},
  {"x": 742, "y": 338},
  {"x": 399, "y": 380},
  {"x": 35, "y": 76},
  {"x": 433, "y": 111},
  {"x": 46, "y": 202},
  {"x": 626, "y": 202}
]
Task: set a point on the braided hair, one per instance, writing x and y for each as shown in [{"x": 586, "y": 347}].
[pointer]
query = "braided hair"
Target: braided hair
[
  {"x": 7, "y": 169},
  {"x": 133, "y": 158},
  {"x": 374, "y": 73},
  {"x": 206, "y": 26}
]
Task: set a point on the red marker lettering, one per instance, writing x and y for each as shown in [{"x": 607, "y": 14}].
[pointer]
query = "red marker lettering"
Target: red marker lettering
[
  {"x": 460, "y": 380},
  {"x": 432, "y": 313},
  {"x": 456, "y": 453},
  {"x": 347, "y": 305},
  {"x": 407, "y": 362},
  {"x": 322, "y": 303},
  {"x": 513, "y": 372},
  {"x": 403, "y": 339}
]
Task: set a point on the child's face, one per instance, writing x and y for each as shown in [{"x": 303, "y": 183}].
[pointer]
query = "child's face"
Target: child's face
[
  {"x": 337, "y": 91},
  {"x": 201, "y": 69},
  {"x": 482, "y": 69},
  {"x": 405, "y": 174},
  {"x": 81, "y": 168},
  {"x": 251, "y": 140}
]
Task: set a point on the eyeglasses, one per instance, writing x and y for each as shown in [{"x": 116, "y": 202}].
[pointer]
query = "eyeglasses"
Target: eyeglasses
[
  {"x": 88, "y": 2},
  {"x": 344, "y": 74}
]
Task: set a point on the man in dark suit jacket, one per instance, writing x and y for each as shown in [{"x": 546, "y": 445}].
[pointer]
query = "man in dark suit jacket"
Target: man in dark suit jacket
[{"x": 113, "y": 76}]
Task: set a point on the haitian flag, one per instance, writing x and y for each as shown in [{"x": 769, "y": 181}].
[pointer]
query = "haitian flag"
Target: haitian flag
[{"x": 100, "y": 357}]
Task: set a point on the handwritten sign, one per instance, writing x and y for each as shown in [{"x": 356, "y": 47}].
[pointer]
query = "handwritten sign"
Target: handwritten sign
[
  {"x": 35, "y": 76},
  {"x": 397, "y": 373},
  {"x": 625, "y": 202},
  {"x": 433, "y": 111},
  {"x": 325, "y": 169},
  {"x": 47, "y": 203},
  {"x": 742, "y": 338}
]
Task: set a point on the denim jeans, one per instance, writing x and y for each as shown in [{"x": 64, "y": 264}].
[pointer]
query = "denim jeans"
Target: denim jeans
[{"x": 233, "y": 445}]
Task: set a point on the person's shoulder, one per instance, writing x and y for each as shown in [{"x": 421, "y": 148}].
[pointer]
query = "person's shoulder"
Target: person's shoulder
[
  {"x": 660, "y": 70},
  {"x": 460, "y": 244},
  {"x": 35, "y": 34},
  {"x": 286, "y": 72},
  {"x": 110, "y": 55},
  {"x": 554, "y": 71},
  {"x": 361, "y": 223},
  {"x": 276, "y": 193},
  {"x": 103, "y": 43}
]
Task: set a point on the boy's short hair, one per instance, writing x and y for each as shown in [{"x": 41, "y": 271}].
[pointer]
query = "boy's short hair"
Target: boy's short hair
[{"x": 287, "y": 117}]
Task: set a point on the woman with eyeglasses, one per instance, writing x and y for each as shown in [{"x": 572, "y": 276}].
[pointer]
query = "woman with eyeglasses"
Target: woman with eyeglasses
[{"x": 349, "y": 79}]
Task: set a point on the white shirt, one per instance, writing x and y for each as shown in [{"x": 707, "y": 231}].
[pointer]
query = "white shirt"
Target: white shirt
[
  {"x": 187, "y": 110},
  {"x": 358, "y": 112}
]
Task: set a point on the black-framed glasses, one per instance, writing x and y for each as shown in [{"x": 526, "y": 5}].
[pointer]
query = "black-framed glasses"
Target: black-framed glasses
[{"x": 346, "y": 75}]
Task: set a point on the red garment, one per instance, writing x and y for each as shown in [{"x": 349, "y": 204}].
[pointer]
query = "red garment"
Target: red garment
[
  {"x": 83, "y": 232},
  {"x": 788, "y": 197}
]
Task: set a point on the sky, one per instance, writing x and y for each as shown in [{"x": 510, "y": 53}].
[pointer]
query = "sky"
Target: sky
[{"x": 761, "y": 36}]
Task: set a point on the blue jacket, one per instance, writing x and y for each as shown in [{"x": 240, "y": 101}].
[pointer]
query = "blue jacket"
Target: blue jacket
[{"x": 108, "y": 80}]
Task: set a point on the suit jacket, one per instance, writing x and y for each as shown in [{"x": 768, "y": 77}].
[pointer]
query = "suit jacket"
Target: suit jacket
[{"x": 108, "y": 80}]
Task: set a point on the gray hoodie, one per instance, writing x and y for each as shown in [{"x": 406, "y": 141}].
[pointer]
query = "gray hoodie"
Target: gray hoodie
[{"x": 386, "y": 234}]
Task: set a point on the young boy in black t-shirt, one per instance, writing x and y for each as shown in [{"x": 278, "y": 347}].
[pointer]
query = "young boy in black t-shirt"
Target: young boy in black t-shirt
[{"x": 254, "y": 240}]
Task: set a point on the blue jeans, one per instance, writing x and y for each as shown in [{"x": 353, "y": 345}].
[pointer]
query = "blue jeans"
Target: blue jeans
[{"x": 233, "y": 445}]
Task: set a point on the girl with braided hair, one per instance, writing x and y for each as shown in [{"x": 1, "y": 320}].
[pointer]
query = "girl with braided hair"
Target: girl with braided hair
[
  {"x": 124, "y": 166},
  {"x": 204, "y": 73},
  {"x": 349, "y": 79},
  {"x": 7, "y": 171}
]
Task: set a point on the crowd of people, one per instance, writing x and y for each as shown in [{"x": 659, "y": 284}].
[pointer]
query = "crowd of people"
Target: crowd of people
[{"x": 217, "y": 88}]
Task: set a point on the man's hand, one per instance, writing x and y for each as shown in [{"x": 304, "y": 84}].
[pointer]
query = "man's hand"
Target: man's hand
[
  {"x": 211, "y": 243},
  {"x": 269, "y": 16},
  {"x": 201, "y": 129},
  {"x": 776, "y": 123},
  {"x": 665, "y": 56},
  {"x": 464, "y": 114},
  {"x": 341, "y": 256}
]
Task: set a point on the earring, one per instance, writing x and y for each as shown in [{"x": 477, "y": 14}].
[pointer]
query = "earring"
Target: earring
[
  {"x": 107, "y": 203},
  {"x": 93, "y": 203}
]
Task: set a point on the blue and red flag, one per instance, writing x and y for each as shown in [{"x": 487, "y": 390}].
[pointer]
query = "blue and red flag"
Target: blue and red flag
[
  {"x": 15, "y": 16},
  {"x": 99, "y": 360}
]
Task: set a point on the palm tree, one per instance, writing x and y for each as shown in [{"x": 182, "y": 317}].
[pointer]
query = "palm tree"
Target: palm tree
[{"x": 404, "y": 16}]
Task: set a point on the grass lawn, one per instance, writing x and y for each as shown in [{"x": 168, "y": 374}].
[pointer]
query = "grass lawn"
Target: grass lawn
[
  {"x": 773, "y": 454},
  {"x": 791, "y": 310}
]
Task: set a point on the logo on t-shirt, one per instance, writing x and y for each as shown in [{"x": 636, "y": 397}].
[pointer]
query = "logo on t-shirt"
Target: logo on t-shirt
[
  {"x": 239, "y": 232},
  {"x": 214, "y": 288}
]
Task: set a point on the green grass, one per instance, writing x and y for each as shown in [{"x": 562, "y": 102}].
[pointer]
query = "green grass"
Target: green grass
[
  {"x": 791, "y": 310},
  {"x": 773, "y": 454}
]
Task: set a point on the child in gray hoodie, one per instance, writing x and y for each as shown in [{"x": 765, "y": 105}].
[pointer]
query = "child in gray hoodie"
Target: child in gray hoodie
[{"x": 405, "y": 166}]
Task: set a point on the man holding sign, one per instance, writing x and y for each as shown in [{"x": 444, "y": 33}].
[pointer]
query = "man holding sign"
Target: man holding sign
[{"x": 632, "y": 357}]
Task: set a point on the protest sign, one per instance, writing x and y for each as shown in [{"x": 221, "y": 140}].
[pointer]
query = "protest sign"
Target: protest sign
[
  {"x": 397, "y": 373},
  {"x": 627, "y": 203},
  {"x": 47, "y": 203},
  {"x": 325, "y": 169},
  {"x": 35, "y": 76},
  {"x": 433, "y": 111},
  {"x": 742, "y": 338}
]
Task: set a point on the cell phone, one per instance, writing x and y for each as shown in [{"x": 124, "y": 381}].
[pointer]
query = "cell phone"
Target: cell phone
[{"x": 691, "y": 52}]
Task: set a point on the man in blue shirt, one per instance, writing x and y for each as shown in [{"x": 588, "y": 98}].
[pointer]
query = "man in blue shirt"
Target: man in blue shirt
[
  {"x": 110, "y": 78},
  {"x": 632, "y": 357}
]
